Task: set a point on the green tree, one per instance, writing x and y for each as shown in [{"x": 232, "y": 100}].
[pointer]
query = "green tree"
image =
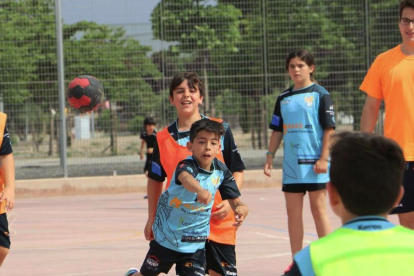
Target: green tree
[
  {"x": 120, "y": 63},
  {"x": 200, "y": 31},
  {"x": 29, "y": 65},
  {"x": 25, "y": 48}
]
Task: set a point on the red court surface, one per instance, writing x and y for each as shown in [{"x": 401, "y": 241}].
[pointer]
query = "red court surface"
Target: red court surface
[{"x": 103, "y": 235}]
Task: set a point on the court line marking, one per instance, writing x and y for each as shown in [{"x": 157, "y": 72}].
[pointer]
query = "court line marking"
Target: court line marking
[
  {"x": 276, "y": 229},
  {"x": 276, "y": 237},
  {"x": 265, "y": 256},
  {"x": 91, "y": 273}
]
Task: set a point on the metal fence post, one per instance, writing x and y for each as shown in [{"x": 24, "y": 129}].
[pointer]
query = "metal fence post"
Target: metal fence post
[{"x": 61, "y": 87}]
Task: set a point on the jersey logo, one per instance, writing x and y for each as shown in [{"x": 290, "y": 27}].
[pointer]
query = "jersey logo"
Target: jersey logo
[
  {"x": 215, "y": 180},
  {"x": 175, "y": 202},
  {"x": 309, "y": 101}
]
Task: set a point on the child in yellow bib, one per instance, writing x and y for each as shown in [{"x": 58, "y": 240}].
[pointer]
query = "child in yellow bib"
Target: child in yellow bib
[{"x": 366, "y": 183}]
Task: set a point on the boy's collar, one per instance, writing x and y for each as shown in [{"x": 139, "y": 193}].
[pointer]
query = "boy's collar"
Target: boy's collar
[
  {"x": 365, "y": 218},
  {"x": 198, "y": 166}
]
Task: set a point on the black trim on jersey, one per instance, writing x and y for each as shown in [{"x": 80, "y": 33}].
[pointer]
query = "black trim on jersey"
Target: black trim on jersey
[
  {"x": 277, "y": 110},
  {"x": 156, "y": 159},
  {"x": 326, "y": 111},
  {"x": 228, "y": 188},
  {"x": 6, "y": 146},
  {"x": 187, "y": 165}
]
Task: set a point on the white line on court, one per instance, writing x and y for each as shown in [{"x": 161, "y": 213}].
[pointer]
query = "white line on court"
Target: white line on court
[
  {"x": 91, "y": 272},
  {"x": 276, "y": 237},
  {"x": 265, "y": 256}
]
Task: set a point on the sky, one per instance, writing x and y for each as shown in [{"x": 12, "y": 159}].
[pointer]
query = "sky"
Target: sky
[
  {"x": 111, "y": 12},
  {"x": 133, "y": 15}
]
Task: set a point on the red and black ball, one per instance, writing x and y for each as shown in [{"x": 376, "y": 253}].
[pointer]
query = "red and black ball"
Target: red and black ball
[{"x": 85, "y": 93}]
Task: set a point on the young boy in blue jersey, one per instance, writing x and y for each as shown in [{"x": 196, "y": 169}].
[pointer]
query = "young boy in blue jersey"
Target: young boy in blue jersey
[
  {"x": 182, "y": 221},
  {"x": 366, "y": 183}
]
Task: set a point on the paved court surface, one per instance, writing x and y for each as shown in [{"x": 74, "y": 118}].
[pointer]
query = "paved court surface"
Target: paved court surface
[{"x": 102, "y": 235}]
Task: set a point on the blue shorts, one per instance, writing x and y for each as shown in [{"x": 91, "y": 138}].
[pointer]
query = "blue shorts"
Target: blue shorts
[
  {"x": 303, "y": 188},
  {"x": 407, "y": 202}
]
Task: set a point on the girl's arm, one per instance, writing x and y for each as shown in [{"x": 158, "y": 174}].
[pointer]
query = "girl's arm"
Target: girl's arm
[
  {"x": 274, "y": 143},
  {"x": 321, "y": 166}
]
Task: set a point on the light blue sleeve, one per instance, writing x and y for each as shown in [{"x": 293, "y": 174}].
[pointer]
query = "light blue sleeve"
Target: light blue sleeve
[{"x": 304, "y": 262}]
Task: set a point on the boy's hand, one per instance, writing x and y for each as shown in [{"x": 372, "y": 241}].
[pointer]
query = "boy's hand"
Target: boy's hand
[
  {"x": 8, "y": 196},
  {"x": 321, "y": 166},
  {"x": 241, "y": 214},
  {"x": 149, "y": 235},
  {"x": 223, "y": 209},
  {"x": 204, "y": 196},
  {"x": 141, "y": 156}
]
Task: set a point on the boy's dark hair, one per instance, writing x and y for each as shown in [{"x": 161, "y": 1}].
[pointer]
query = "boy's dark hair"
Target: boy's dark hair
[
  {"x": 304, "y": 56},
  {"x": 193, "y": 81},
  {"x": 208, "y": 125},
  {"x": 149, "y": 121},
  {"x": 367, "y": 170},
  {"x": 406, "y": 4}
]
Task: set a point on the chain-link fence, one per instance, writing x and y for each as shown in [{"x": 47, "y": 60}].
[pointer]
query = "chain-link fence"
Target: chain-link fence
[{"x": 238, "y": 48}]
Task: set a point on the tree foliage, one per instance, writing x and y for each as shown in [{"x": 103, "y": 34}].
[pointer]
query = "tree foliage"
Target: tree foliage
[{"x": 28, "y": 62}]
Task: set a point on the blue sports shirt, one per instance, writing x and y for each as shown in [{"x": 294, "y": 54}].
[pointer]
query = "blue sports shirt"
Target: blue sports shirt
[
  {"x": 302, "y": 115},
  {"x": 181, "y": 223}
]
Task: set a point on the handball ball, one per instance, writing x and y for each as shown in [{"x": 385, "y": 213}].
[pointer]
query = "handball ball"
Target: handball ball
[{"x": 85, "y": 93}]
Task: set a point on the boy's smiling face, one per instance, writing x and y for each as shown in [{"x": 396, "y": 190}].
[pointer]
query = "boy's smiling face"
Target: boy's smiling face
[
  {"x": 185, "y": 99},
  {"x": 205, "y": 148}
]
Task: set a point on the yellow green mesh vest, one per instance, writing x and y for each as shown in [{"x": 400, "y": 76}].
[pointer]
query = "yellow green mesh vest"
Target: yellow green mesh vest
[{"x": 351, "y": 252}]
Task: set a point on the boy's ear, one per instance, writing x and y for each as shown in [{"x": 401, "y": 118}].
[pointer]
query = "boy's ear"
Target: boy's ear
[
  {"x": 400, "y": 195},
  {"x": 334, "y": 198},
  {"x": 171, "y": 100},
  {"x": 190, "y": 146}
]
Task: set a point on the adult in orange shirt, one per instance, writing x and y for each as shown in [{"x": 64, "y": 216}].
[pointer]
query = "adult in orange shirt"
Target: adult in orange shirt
[{"x": 391, "y": 78}]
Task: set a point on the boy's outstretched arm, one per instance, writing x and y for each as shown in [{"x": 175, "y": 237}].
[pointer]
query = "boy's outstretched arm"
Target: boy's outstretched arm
[
  {"x": 192, "y": 185},
  {"x": 240, "y": 210},
  {"x": 8, "y": 170}
]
